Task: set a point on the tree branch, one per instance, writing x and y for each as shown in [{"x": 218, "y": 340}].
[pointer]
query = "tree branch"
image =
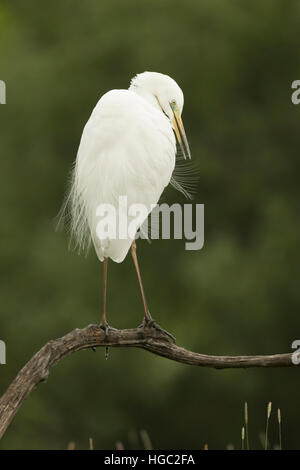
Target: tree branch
[{"x": 38, "y": 368}]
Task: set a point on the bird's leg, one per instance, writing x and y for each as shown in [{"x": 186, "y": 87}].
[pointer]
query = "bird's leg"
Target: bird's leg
[
  {"x": 147, "y": 316},
  {"x": 104, "y": 323},
  {"x": 148, "y": 321}
]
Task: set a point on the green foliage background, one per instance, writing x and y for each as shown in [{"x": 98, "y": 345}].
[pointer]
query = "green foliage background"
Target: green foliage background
[{"x": 235, "y": 61}]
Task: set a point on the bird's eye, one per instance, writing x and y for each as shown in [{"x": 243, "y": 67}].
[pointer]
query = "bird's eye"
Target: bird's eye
[{"x": 173, "y": 104}]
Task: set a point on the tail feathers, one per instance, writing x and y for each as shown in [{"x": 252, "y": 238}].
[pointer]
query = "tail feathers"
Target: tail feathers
[{"x": 72, "y": 215}]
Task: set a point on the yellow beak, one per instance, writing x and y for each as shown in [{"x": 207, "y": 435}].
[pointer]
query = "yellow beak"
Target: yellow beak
[{"x": 180, "y": 133}]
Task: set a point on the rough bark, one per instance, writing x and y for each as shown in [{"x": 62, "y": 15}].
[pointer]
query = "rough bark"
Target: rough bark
[{"x": 158, "y": 342}]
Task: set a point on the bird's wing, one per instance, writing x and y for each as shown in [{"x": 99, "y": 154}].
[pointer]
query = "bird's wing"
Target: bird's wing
[{"x": 127, "y": 149}]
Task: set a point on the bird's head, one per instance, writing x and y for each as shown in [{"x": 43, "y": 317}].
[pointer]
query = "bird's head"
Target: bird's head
[{"x": 164, "y": 93}]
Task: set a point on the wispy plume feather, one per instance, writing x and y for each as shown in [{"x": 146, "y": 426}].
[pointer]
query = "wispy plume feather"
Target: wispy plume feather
[{"x": 186, "y": 176}]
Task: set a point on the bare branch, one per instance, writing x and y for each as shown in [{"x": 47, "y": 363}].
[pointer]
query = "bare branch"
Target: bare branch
[{"x": 38, "y": 368}]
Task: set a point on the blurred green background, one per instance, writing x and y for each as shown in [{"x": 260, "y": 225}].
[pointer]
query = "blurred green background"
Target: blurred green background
[{"x": 235, "y": 61}]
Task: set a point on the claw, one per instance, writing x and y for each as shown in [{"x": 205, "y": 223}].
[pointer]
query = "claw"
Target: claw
[
  {"x": 152, "y": 324},
  {"x": 106, "y": 328}
]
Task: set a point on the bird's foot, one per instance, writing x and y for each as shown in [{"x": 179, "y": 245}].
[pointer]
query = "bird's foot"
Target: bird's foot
[
  {"x": 107, "y": 328},
  {"x": 151, "y": 324}
]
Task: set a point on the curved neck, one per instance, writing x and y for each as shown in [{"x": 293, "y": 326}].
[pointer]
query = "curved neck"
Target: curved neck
[{"x": 149, "y": 97}]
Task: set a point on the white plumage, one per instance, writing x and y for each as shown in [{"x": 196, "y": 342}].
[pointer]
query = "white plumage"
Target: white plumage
[{"x": 127, "y": 148}]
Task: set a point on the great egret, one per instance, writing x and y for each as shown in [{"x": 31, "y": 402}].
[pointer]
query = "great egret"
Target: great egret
[{"x": 127, "y": 148}]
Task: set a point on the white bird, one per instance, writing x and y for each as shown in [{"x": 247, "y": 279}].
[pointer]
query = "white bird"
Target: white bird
[{"x": 128, "y": 148}]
